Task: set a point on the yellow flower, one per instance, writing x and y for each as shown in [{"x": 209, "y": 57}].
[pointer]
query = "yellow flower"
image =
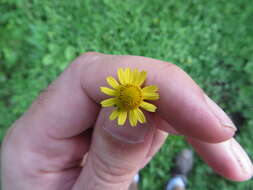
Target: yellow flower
[{"x": 128, "y": 96}]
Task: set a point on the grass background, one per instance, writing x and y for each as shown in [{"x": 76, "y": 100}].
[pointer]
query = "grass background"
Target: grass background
[{"x": 211, "y": 40}]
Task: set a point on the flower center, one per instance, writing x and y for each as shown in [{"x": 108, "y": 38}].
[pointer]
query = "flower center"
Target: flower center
[{"x": 130, "y": 96}]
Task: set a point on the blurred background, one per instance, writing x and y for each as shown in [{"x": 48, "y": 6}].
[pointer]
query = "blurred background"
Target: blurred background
[{"x": 211, "y": 40}]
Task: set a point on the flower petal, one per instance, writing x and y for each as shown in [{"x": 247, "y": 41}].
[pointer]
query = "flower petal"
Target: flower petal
[
  {"x": 112, "y": 82},
  {"x": 122, "y": 117},
  {"x": 114, "y": 114},
  {"x": 140, "y": 115},
  {"x": 132, "y": 118},
  {"x": 135, "y": 76},
  {"x": 127, "y": 75},
  {"x": 150, "y": 96},
  {"x": 109, "y": 102},
  {"x": 149, "y": 89},
  {"x": 149, "y": 107},
  {"x": 141, "y": 78},
  {"x": 131, "y": 77},
  {"x": 108, "y": 91},
  {"x": 121, "y": 76}
]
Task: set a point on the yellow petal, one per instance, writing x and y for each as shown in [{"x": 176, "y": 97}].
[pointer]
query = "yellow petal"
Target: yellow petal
[
  {"x": 140, "y": 115},
  {"x": 150, "y": 89},
  {"x": 142, "y": 78},
  {"x": 108, "y": 91},
  {"x": 150, "y": 96},
  {"x": 114, "y": 114},
  {"x": 149, "y": 107},
  {"x": 127, "y": 75},
  {"x": 121, "y": 76},
  {"x": 122, "y": 117},
  {"x": 112, "y": 82},
  {"x": 135, "y": 76},
  {"x": 131, "y": 76},
  {"x": 132, "y": 118},
  {"x": 109, "y": 102}
]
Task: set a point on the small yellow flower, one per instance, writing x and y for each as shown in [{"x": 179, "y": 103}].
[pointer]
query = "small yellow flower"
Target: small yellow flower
[{"x": 128, "y": 96}]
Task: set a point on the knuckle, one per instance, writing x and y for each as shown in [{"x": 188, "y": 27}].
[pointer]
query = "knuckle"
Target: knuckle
[
  {"x": 12, "y": 133},
  {"x": 85, "y": 59},
  {"x": 8, "y": 136},
  {"x": 83, "y": 62},
  {"x": 112, "y": 173},
  {"x": 44, "y": 95}
]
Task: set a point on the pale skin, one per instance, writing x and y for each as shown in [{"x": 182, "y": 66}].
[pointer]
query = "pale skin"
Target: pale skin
[{"x": 44, "y": 149}]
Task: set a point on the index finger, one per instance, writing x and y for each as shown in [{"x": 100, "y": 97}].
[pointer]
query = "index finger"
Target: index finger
[{"x": 182, "y": 103}]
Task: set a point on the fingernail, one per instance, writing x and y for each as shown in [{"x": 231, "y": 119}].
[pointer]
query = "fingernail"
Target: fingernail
[
  {"x": 220, "y": 114},
  {"x": 241, "y": 158},
  {"x": 126, "y": 133}
]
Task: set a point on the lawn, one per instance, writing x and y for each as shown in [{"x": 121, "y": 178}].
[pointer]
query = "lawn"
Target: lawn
[{"x": 211, "y": 40}]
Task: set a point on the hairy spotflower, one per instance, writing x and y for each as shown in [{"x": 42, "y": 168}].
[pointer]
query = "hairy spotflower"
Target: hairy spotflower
[{"x": 128, "y": 96}]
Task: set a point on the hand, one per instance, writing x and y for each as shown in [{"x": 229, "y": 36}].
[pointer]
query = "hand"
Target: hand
[{"x": 45, "y": 148}]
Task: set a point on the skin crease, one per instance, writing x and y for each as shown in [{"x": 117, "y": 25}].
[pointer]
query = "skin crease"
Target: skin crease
[{"x": 44, "y": 148}]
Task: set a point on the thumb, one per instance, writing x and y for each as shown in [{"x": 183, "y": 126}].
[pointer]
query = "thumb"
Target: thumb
[{"x": 116, "y": 154}]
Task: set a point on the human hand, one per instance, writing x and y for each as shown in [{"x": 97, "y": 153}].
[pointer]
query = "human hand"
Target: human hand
[{"x": 44, "y": 149}]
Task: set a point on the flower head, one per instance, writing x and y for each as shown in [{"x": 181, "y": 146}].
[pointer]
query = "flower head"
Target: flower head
[{"x": 128, "y": 96}]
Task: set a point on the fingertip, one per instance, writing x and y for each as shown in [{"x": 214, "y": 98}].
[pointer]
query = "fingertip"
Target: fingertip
[
  {"x": 227, "y": 158},
  {"x": 125, "y": 133},
  {"x": 217, "y": 135},
  {"x": 191, "y": 117},
  {"x": 183, "y": 105}
]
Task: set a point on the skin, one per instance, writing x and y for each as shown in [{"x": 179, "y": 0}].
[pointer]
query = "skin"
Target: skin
[{"x": 65, "y": 140}]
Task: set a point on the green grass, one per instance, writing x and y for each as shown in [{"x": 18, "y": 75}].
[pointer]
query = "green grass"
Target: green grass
[{"x": 211, "y": 40}]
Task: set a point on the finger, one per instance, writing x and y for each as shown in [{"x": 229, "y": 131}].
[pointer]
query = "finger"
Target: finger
[
  {"x": 226, "y": 158},
  {"x": 157, "y": 142},
  {"x": 63, "y": 110},
  {"x": 112, "y": 161},
  {"x": 54, "y": 129},
  {"x": 41, "y": 162},
  {"x": 182, "y": 103}
]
